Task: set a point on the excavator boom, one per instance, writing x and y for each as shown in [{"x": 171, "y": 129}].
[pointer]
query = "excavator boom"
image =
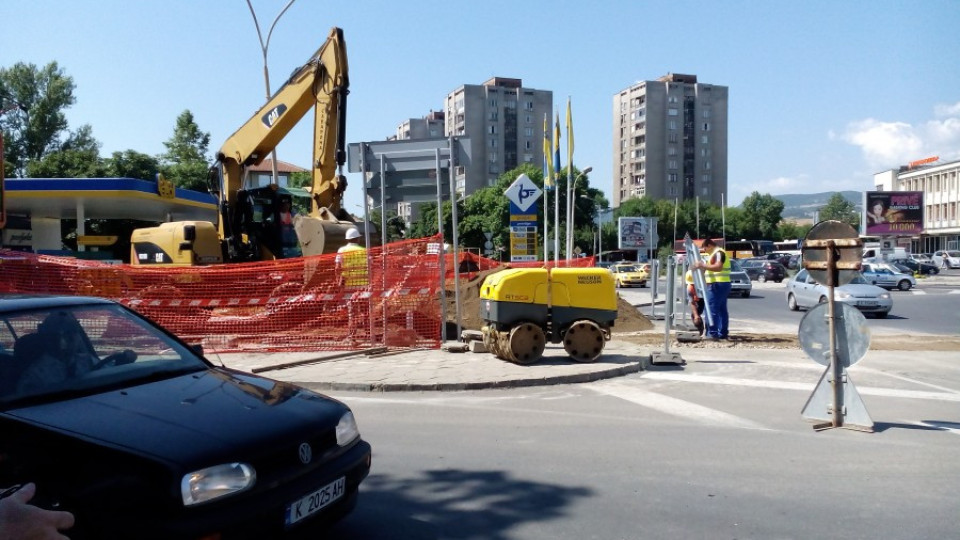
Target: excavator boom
[{"x": 253, "y": 222}]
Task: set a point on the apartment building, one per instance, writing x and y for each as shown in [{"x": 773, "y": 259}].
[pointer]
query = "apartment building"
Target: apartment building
[
  {"x": 670, "y": 140},
  {"x": 940, "y": 184},
  {"x": 504, "y": 122}
]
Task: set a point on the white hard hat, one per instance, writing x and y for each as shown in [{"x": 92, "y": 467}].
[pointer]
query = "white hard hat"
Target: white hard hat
[{"x": 352, "y": 233}]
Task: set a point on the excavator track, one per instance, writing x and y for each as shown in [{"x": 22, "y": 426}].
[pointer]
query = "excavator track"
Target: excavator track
[{"x": 584, "y": 341}]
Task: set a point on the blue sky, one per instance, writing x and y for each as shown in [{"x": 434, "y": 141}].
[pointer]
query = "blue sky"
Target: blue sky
[{"x": 822, "y": 93}]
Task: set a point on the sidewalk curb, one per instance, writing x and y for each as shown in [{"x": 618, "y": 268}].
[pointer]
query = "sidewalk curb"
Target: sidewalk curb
[{"x": 633, "y": 367}]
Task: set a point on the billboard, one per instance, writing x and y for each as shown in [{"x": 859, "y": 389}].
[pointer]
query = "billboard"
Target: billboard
[
  {"x": 893, "y": 213},
  {"x": 637, "y": 233}
]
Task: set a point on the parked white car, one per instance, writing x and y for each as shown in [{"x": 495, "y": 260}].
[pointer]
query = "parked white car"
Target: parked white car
[
  {"x": 887, "y": 276},
  {"x": 946, "y": 259}
]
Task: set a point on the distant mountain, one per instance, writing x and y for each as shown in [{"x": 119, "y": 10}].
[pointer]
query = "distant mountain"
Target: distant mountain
[{"x": 803, "y": 205}]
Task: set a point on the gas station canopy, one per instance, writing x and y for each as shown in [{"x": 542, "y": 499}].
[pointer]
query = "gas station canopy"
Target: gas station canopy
[{"x": 105, "y": 198}]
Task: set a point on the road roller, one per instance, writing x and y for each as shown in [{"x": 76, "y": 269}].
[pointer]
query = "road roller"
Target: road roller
[{"x": 525, "y": 308}]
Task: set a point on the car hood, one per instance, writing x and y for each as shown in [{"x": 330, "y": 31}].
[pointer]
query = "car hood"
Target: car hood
[
  {"x": 191, "y": 418},
  {"x": 632, "y": 274},
  {"x": 862, "y": 290}
]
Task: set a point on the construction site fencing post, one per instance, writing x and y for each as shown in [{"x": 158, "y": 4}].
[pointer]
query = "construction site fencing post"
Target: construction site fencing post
[
  {"x": 383, "y": 239},
  {"x": 366, "y": 239},
  {"x": 456, "y": 239},
  {"x": 440, "y": 251}
]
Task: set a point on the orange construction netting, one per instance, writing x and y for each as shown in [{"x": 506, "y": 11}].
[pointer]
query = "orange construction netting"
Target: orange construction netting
[{"x": 294, "y": 304}]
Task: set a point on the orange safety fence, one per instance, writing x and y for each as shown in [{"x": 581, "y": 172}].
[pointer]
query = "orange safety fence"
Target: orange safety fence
[
  {"x": 296, "y": 304},
  {"x": 283, "y": 305}
]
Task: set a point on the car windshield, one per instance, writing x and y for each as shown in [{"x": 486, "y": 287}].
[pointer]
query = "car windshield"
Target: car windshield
[
  {"x": 83, "y": 349},
  {"x": 953, "y": 253},
  {"x": 627, "y": 268},
  {"x": 735, "y": 266},
  {"x": 859, "y": 280}
]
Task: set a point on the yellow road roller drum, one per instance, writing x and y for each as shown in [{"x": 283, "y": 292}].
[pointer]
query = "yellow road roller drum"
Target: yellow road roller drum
[{"x": 525, "y": 308}]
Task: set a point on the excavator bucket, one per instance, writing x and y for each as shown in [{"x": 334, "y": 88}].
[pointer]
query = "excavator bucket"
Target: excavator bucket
[{"x": 318, "y": 236}]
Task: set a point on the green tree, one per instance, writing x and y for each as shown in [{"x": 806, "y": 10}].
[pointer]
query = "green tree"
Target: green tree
[
  {"x": 76, "y": 157},
  {"x": 841, "y": 209},
  {"x": 395, "y": 225},
  {"x": 132, "y": 164},
  {"x": 35, "y": 122},
  {"x": 761, "y": 216},
  {"x": 185, "y": 162},
  {"x": 789, "y": 230}
]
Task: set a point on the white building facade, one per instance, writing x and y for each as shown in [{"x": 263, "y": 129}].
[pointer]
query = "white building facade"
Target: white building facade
[{"x": 940, "y": 184}]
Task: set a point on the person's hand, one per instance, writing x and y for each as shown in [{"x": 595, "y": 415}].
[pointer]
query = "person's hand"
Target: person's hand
[{"x": 22, "y": 521}]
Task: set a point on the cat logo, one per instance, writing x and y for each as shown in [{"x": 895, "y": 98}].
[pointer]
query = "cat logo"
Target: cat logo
[{"x": 274, "y": 114}]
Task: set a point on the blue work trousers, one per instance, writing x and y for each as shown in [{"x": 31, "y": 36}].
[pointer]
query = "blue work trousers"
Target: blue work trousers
[{"x": 717, "y": 294}]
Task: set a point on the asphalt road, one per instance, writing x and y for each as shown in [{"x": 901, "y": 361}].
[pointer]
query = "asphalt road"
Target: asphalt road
[
  {"x": 933, "y": 307},
  {"x": 716, "y": 449}
]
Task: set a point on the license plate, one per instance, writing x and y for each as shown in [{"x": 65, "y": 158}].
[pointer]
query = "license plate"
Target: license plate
[
  {"x": 866, "y": 303},
  {"x": 315, "y": 501}
]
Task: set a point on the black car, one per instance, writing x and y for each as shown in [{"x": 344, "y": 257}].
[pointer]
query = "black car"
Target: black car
[
  {"x": 139, "y": 436},
  {"x": 914, "y": 267},
  {"x": 764, "y": 270}
]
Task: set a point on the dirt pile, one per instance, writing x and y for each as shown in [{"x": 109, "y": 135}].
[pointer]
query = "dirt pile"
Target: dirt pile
[{"x": 629, "y": 319}]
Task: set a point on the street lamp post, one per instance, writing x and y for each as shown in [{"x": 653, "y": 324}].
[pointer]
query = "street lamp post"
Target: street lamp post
[
  {"x": 571, "y": 205},
  {"x": 266, "y": 73}
]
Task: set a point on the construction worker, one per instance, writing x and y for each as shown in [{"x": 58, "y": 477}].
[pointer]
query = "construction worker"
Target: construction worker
[
  {"x": 696, "y": 303},
  {"x": 352, "y": 261},
  {"x": 351, "y": 265},
  {"x": 717, "y": 276}
]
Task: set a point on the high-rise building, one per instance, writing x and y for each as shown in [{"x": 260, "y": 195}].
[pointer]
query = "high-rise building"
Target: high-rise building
[
  {"x": 504, "y": 122},
  {"x": 670, "y": 140},
  {"x": 428, "y": 127}
]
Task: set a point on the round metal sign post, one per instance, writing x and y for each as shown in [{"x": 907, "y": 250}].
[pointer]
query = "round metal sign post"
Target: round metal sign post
[{"x": 832, "y": 254}]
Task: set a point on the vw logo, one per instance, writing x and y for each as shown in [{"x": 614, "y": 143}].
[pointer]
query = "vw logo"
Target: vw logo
[{"x": 306, "y": 453}]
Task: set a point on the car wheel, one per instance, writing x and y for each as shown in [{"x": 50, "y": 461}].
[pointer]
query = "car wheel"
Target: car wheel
[
  {"x": 779, "y": 281},
  {"x": 792, "y": 303},
  {"x": 882, "y": 314},
  {"x": 904, "y": 285},
  {"x": 762, "y": 278}
]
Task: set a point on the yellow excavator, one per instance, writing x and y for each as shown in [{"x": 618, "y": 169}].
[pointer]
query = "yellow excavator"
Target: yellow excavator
[{"x": 252, "y": 224}]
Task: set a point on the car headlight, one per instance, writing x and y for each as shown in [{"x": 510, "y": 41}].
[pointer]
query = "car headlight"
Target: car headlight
[
  {"x": 841, "y": 295},
  {"x": 214, "y": 482},
  {"x": 885, "y": 296},
  {"x": 347, "y": 430}
]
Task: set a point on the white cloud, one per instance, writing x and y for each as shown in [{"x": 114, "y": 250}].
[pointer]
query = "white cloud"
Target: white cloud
[
  {"x": 946, "y": 111},
  {"x": 886, "y": 145}
]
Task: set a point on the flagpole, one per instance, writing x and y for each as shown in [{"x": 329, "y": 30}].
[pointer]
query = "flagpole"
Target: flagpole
[
  {"x": 556, "y": 226},
  {"x": 570, "y": 187},
  {"x": 723, "y": 221},
  {"x": 556, "y": 198},
  {"x": 547, "y": 187}
]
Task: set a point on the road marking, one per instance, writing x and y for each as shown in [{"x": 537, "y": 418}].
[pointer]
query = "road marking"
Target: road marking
[
  {"x": 945, "y": 426},
  {"x": 919, "y": 292},
  {"x": 673, "y": 406},
  {"x": 866, "y": 391}
]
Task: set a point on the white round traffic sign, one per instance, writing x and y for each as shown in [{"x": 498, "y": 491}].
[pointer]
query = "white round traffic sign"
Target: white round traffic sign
[{"x": 853, "y": 334}]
